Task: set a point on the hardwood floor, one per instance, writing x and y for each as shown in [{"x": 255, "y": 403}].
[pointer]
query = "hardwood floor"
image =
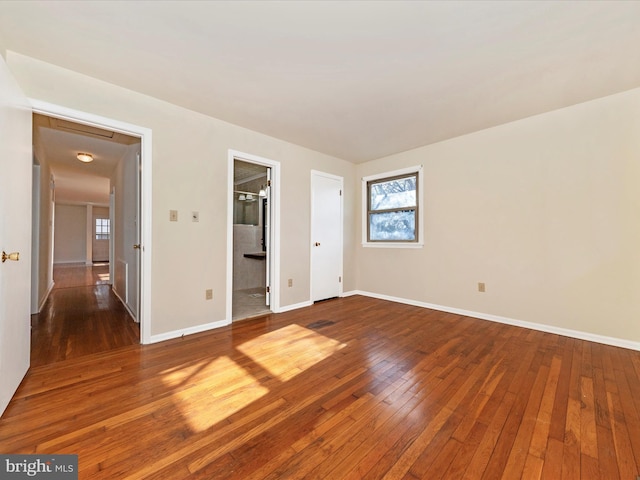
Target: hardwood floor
[
  {"x": 81, "y": 316},
  {"x": 353, "y": 388}
]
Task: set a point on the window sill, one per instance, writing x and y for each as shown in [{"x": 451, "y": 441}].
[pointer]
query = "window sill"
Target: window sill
[{"x": 392, "y": 245}]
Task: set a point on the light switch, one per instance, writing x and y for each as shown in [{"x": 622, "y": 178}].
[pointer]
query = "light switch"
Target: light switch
[
  {"x": 195, "y": 216},
  {"x": 173, "y": 215}
]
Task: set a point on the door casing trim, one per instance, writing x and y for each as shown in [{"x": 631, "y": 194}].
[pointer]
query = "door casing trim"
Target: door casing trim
[
  {"x": 274, "y": 233},
  {"x": 145, "y": 135}
]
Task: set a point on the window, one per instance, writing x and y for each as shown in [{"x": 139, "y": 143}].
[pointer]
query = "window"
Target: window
[
  {"x": 103, "y": 228},
  {"x": 392, "y": 216}
]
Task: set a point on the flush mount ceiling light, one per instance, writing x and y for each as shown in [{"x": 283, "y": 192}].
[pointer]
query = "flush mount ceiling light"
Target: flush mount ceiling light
[{"x": 85, "y": 157}]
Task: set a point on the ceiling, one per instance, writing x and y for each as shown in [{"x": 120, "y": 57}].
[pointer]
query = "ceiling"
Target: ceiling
[
  {"x": 355, "y": 79},
  {"x": 76, "y": 182},
  {"x": 244, "y": 172}
]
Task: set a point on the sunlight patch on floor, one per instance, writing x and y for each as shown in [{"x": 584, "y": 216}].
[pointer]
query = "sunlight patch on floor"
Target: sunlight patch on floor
[
  {"x": 208, "y": 392},
  {"x": 290, "y": 350}
]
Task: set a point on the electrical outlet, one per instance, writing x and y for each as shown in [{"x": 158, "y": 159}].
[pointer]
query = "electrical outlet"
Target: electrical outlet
[
  {"x": 481, "y": 287},
  {"x": 290, "y": 282},
  {"x": 173, "y": 215},
  {"x": 208, "y": 294}
]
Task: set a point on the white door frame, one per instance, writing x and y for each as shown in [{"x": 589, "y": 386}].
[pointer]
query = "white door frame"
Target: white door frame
[
  {"x": 316, "y": 173},
  {"x": 35, "y": 239},
  {"x": 144, "y": 134},
  {"x": 274, "y": 233}
]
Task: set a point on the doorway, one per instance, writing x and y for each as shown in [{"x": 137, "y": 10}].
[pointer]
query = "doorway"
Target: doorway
[
  {"x": 128, "y": 206},
  {"x": 252, "y": 237},
  {"x": 251, "y": 256}
]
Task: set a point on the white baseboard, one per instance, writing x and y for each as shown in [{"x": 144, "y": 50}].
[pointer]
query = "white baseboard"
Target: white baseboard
[
  {"x": 46, "y": 296},
  {"x": 294, "y": 306},
  {"x": 353, "y": 292},
  {"x": 213, "y": 325},
  {"x": 591, "y": 337},
  {"x": 188, "y": 331}
]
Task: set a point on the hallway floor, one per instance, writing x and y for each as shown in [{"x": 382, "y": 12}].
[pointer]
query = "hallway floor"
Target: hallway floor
[{"x": 81, "y": 316}]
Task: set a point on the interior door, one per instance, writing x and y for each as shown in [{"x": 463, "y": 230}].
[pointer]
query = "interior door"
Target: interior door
[
  {"x": 326, "y": 236},
  {"x": 15, "y": 234},
  {"x": 137, "y": 245}
]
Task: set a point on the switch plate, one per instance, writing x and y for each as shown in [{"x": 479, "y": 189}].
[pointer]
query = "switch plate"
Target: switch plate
[
  {"x": 481, "y": 287},
  {"x": 290, "y": 282},
  {"x": 208, "y": 294},
  {"x": 173, "y": 215}
]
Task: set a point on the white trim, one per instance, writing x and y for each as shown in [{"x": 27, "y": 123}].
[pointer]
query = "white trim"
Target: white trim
[
  {"x": 89, "y": 235},
  {"x": 124, "y": 303},
  {"x": 317, "y": 173},
  {"x": 351, "y": 293},
  {"x": 294, "y": 306},
  {"x": 565, "y": 332},
  {"x": 35, "y": 237},
  {"x": 46, "y": 296},
  {"x": 187, "y": 331},
  {"x": 145, "y": 135},
  {"x": 112, "y": 246},
  {"x": 420, "y": 200},
  {"x": 274, "y": 233}
]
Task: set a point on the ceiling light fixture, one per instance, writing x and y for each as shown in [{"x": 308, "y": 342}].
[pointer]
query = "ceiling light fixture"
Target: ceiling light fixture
[{"x": 85, "y": 157}]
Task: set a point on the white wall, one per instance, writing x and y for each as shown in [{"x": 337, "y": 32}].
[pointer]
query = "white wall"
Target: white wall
[
  {"x": 70, "y": 232},
  {"x": 545, "y": 211},
  {"x": 189, "y": 170}
]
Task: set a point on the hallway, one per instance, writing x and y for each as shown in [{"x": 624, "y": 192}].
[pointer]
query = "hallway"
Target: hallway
[{"x": 81, "y": 316}]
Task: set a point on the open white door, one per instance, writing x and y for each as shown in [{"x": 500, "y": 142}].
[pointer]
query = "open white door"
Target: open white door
[
  {"x": 326, "y": 236},
  {"x": 15, "y": 235},
  {"x": 137, "y": 245}
]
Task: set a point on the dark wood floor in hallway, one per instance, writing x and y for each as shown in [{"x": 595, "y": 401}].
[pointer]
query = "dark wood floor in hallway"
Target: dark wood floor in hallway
[
  {"x": 81, "y": 316},
  {"x": 352, "y": 388}
]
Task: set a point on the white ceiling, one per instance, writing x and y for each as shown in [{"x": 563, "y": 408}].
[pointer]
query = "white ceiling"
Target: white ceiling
[{"x": 355, "y": 79}]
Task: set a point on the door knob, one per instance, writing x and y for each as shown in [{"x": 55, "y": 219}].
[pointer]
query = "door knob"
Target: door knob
[
  {"x": 317, "y": 244},
  {"x": 137, "y": 246},
  {"x": 15, "y": 256}
]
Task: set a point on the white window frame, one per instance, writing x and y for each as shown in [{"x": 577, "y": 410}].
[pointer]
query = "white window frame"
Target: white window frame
[{"x": 420, "y": 214}]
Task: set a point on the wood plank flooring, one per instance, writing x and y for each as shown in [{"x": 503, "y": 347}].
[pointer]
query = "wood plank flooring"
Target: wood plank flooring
[
  {"x": 353, "y": 388},
  {"x": 81, "y": 316}
]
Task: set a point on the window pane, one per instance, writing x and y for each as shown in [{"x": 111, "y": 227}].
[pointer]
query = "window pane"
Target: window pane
[
  {"x": 392, "y": 226},
  {"x": 102, "y": 228},
  {"x": 396, "y": 193}
]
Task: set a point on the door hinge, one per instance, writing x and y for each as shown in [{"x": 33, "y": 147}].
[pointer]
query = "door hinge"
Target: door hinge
[
  {"x": 268, "y": 289},
  {"x": 268, "y": 183},
  {"x": 340, "y": 192},
  {"x": 339, "y": 279}
]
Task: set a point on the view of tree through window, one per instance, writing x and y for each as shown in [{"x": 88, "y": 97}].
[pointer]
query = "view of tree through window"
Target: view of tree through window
[
  {"x": 103, "y": 228},
  {"x": 392, "y": 209}
]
